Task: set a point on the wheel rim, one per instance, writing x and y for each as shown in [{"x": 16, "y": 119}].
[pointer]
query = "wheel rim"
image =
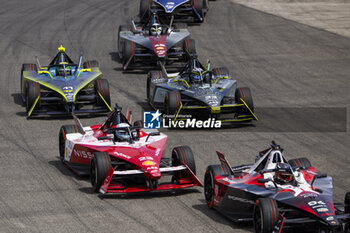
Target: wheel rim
[
  {"x": 208, "y": 188},
  {"x": 258, "y": 224}
]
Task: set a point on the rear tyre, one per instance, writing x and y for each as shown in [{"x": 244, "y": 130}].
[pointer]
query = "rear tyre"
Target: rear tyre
[
  {"x": 155, "y": 77},
  {"x": 138, "y": 123},
  {"x": 172, "y": 102},
  {"x": 183, "y": 155},
  {"x": 347, "y": 203},
  {"x": 221, "y": 71},
  {"x": 266, "y": 214},
  {"x": 211, "y": 172},
  {"x": 199, "y": 6},
  {"x": 122, "y": 41},
  {"x": 32, "y": 93},
  {"x": 245, "y": 94},
  {"x": 300, "y": 163},
  {"x": 145, "y": 10},
  {"x": 65, "y": 129},
  {"x": 90, "y": 64},
  {"x": 100, "y": 165},
  {"x": 189, "y": 48},
  {"x": 26, "y": 67},
  {"x": 102, "y": 87}
]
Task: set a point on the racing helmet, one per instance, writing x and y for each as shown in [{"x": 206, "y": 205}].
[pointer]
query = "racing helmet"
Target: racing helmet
[
  {"x": 122, "y": 132},
  {"x": 156, "y": 29},
  {"x": 284, "y": 174},
  {"x": 196, "y": 73}
]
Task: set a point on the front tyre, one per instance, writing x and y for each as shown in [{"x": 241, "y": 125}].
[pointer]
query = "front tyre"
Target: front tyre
[
  {"x": 183, "y": 155},
  {"x": 209, "y": 177},
  {"x": 103, "y": 93},
  {"x": 32, "y": 93},
  {"x": 91, "y": 64},
  {"x": 65, "y": 129},
  {"x": 266, "y": 214},
  {"x": 245, "y": 95},
  {"x": 172, "y": 102},
  {"x": 99, "y": 167}
]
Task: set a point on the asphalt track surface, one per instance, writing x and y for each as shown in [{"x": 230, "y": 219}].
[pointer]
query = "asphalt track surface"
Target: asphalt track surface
[{"x": 287, "y": 65}]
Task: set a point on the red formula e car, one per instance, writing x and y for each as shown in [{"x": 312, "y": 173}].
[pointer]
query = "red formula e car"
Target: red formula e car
[
  {"x": 277, "y": 195},
  {"x": 122, "y": 158}
]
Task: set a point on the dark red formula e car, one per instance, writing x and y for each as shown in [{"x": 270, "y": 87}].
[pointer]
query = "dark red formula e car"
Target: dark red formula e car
[
  {"x": 150, "y": 45},
  {"x": 277, "y": 195},
  {"x": 122, "y": 158}
]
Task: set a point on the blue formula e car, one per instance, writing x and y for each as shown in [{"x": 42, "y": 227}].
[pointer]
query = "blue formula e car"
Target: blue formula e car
[
  {"x": 64, "y": 87},
  {"x": 190, "y": 11}
]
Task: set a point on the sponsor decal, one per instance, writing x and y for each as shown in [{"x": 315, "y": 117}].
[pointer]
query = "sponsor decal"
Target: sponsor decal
[
  {"x": 122, "y": 155},
  {"x": 82, "y": 153},
  {"x": 151, "y": 120},
  {"x": 313, "y": 204},
  {"x": 330, "y": 218},
  {"x": 306, "y": 195},
  {"x": 240, "y": 199},
  {"x": 157, "y": 152},
  {"x": 67, "y": 89},
  {"x": 169, "y": 6},
  {"x": 190, "y": 123},
  {"x": 148, "y": 163},
  {"x": 145, "y": 158},
  {"x": 322, "y": 210},
  {"x": 152, "y": 168},
  {"x": 326, "y": 214},
  {"x": 334, "y": 222}
]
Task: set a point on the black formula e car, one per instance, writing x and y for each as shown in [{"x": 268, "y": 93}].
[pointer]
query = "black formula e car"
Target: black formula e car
[
  {"x": 192, "y": 11},
  {"x": 148, "y": 45},
  {"x": 200, "y": 90},
  {"x": 64, "y": 87},
  {"x": 278, "y": 195}
]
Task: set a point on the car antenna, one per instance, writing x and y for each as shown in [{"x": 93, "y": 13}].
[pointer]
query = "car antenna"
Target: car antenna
[
  {"x": 80, "y": 59},
  {"x": 37, "y": 61}
]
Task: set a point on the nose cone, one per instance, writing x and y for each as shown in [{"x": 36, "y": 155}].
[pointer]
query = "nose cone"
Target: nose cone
[{"x": 152, "y": 169}]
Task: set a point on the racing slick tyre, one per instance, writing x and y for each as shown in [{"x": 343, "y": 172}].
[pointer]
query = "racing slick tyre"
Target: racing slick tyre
[
  {"x": 27, "y": 67},
  {"x": 183, "y": 155},
  {"x": 122, "y": 28},
  {"x": 266, "y": 214},
  {"x": 99, "y": 167},
  {"x": 65, "y": 129},
  {"x": 154, "y": 77},
  {"x": 145, "y": 10},
  {"x": 189, "y": 48},
  {"x": 180, "y": 25},
  {"x": 138, "y": 123},
  {"x": 198, "y": 5},
  {"x": 128, "y": 51},
  {"x": 172, "y": 102},
  {"x": 300, "y": 163},
  {"x": 103, "y": 93},
  {"x": 210, "y": 173},
  {"x": 347, "y": 204},
  {"x": 221, "y": 71},
  {"x": 244, "y": 94},
  {"x": 91, "y": 64},
  {"x": 32, "y": 92}
]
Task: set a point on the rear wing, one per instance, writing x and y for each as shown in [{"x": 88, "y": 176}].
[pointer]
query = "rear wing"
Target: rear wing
[{"x": 224, "y": 163}]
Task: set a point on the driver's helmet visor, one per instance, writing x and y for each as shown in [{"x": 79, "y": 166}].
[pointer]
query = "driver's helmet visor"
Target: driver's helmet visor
[{"x": 286, "y": 176}]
